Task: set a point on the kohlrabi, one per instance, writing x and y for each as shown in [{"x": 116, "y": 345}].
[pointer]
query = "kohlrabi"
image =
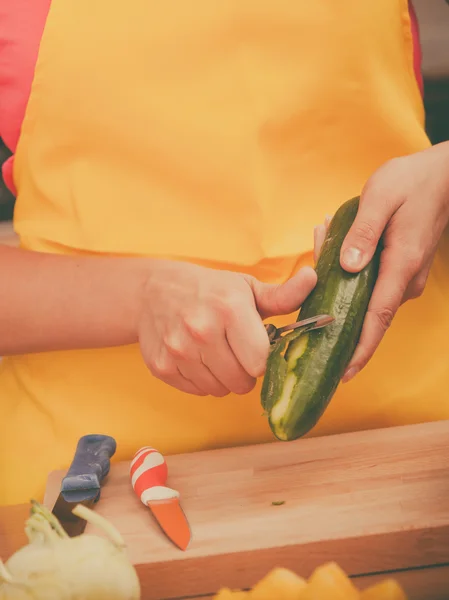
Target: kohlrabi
[{"x": 53, "y": 566}]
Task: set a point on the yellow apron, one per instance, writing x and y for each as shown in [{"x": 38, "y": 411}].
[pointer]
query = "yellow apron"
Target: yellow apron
[{"x": 219, "y": 133}]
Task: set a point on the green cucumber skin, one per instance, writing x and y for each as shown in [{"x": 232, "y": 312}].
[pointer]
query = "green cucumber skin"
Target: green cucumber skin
[
  {"x": 272, "y": 382},
  {"x": 345, "y": 296}
]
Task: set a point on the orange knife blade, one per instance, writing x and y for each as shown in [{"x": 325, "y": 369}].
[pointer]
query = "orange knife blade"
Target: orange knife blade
[
  {"x": 148, "y": 477},
  {"x": 172, "y": 520}
]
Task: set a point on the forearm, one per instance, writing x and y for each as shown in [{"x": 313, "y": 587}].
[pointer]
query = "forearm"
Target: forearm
[{"x": 52, "y": 302}]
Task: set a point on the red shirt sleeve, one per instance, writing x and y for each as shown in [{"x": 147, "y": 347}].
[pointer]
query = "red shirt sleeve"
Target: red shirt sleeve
[
  {"x": 22, "y": 24},
  {"x": 417, "y": 52}
]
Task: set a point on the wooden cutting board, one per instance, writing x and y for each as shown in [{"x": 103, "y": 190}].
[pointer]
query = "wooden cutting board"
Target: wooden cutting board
[{"x": 372, "y": 501}]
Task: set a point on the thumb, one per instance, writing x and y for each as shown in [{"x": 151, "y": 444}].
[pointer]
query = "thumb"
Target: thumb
[
  {"x": 363, "y": 237},
  {"x": 283, "y": 299}
]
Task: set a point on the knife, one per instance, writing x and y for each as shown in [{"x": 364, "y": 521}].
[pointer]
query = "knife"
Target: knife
[
  {"x": 149, "y": 474},
  {"x": 83, "y": 481}
]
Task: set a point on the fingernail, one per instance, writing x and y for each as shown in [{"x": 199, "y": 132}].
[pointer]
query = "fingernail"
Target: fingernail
[
  {"x": 352, "y": 258},
  {"x": 350, "y": 374}
]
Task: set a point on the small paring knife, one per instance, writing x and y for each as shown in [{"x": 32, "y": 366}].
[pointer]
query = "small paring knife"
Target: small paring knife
[
  {"x": 149, "y": 474},
  {"x": 82, "y": 483}
]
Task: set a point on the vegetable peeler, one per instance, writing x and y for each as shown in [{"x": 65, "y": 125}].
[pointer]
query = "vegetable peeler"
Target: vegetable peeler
[
  {"x": 149, "y": 474},
  {"x": 274, "y": 333}
]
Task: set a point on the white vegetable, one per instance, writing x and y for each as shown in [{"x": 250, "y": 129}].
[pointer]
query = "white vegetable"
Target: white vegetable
[{"x": 55, "y": 567}]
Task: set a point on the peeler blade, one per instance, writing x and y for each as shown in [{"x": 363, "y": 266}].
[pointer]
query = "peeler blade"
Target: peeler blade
[{"x": 317, "y": 322}]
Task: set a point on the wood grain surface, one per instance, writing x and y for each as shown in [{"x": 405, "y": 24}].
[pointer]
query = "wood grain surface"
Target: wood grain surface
[
  {"x": 372, "y": 501},
  {"x": 428, "y": 583}
]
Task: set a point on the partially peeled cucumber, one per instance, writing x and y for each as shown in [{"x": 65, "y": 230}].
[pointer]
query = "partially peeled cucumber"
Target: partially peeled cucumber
[{"x": 305, "y": 368}]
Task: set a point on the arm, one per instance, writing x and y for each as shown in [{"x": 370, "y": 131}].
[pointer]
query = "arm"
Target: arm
[
  {"x": 53, "y": 302},
  {"x": 200, "y": 330}
]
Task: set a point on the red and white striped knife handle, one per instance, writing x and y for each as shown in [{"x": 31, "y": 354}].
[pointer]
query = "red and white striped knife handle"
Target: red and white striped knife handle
[{"x": 148, "y": 476}]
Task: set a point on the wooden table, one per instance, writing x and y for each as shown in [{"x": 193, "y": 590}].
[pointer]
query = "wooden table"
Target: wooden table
[
  {"x": 375, "y": 502},
  {"x": 429, "y": 583}
]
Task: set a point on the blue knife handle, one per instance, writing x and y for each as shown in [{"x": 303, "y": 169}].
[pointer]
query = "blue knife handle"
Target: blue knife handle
[{"x": 90, "y": 465}]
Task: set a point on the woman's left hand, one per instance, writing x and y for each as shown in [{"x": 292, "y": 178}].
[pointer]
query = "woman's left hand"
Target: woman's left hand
[{"x": 406, "y": 202}]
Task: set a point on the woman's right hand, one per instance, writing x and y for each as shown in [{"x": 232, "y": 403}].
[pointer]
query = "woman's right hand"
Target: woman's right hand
[{"x": 201, "y": 331}]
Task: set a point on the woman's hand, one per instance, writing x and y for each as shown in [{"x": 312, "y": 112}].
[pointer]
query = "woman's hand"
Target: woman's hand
[
  {"x": 405, "y": 204},
  {"x": 201, "y": 330}
]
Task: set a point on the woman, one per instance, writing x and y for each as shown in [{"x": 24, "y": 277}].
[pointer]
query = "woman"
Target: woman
[{"x": 170, "y": 164}]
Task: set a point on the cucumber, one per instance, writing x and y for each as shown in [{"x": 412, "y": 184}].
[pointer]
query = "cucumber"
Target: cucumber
[{"x": 305, "y": 369}]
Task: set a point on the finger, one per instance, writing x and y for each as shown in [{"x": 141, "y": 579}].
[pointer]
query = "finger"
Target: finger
[
  {"x": 185, "y": 351},
  {"x": 202, "y": 378},
  {"x": 184, "y": 385},
  {"x": 417, "y": 285},
  {"x": 361, "y": 241},
  {"x": 283, "y": 299},
  {"x": 222, "y": 362},
  {"x": 248, "y": 339},
  {"x": 385, "y": 301},
  {"x": 213, "y": 351},
  {"x": 163, "y": 367}
]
